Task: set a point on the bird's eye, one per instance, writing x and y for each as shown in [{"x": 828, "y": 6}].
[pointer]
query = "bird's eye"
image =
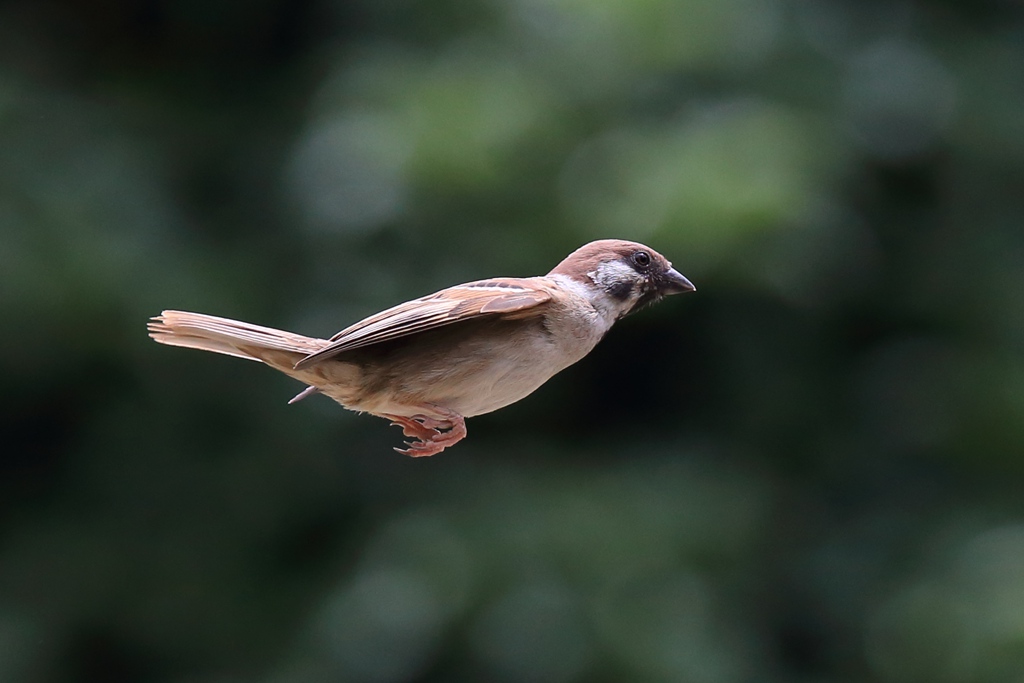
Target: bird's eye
[{"x": 641, "y": 259}]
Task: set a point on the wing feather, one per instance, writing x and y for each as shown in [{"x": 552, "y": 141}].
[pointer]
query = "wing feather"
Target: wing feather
[{"x": 495, "y": 297}]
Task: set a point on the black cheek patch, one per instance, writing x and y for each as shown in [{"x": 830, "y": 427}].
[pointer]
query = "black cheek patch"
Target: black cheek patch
[{"x": 621, "y": 290}]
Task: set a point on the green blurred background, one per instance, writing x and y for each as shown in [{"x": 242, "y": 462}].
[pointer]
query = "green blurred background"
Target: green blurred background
[{"x": 811, "y": 470}]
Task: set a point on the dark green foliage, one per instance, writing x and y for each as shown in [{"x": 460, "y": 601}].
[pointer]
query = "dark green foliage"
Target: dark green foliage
[{"x": 809, "y": 470}]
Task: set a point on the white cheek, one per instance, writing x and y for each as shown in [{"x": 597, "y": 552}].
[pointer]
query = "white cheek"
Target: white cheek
[
  {"x": 606, "y": 276},
  {"x": 610, "y": 275}
]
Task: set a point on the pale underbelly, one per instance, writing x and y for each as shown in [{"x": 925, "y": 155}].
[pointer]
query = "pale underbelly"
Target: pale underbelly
[
  {"x": 504, "y": 383},
  {"x": 471, "y": 375}
]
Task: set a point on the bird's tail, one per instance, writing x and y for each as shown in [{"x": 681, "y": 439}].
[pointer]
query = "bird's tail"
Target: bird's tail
[{"x": 233, "y": 338}]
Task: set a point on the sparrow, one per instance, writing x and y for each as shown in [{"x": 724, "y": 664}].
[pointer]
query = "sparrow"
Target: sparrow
[{"x": 428, "y": 364}]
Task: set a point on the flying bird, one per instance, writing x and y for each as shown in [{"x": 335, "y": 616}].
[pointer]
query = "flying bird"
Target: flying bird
[{"x": 428, "y": 364}]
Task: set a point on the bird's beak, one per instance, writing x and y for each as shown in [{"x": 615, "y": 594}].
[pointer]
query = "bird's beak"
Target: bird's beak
[{"x": 674, "y": 282}]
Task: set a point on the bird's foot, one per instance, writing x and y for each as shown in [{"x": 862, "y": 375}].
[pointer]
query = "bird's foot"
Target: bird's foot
[{"x": 431, "y": 436}]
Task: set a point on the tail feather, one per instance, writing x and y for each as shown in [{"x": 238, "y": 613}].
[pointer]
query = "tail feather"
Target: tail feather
[{"x": 229, "y": 337}]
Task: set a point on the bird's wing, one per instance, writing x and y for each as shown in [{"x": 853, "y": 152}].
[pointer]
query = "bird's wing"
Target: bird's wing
[{"x": 506, "y": 297}]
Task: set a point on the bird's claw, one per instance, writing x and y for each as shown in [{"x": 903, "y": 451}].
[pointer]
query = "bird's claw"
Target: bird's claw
[{"x": 430, "y": 436}]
